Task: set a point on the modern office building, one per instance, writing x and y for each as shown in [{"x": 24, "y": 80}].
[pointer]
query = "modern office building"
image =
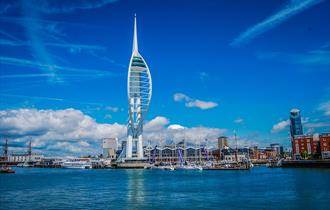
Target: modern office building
[
  {"x": 295, "y": 123},
  {"x": 277, "y": 148},
  {"x": 139, "y": 87}
]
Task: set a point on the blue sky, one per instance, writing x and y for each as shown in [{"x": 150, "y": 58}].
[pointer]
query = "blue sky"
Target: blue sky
[{"x": 218, "y": 66}]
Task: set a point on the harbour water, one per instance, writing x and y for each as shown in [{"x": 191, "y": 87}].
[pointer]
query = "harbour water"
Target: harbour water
[{"x": 259, "y": 188}]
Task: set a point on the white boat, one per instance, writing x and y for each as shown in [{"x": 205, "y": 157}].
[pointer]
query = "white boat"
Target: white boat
[
  {"x": 79, "y": 164},
  {"x": 167, "y": 167},
  {"x": 20, "y": 165},
  {"x": 189, "y": 167},
  {"x": 197, "y": 167}
]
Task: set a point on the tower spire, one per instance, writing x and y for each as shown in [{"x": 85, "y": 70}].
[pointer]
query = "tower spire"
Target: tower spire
[{"x": 135, "y": 41}]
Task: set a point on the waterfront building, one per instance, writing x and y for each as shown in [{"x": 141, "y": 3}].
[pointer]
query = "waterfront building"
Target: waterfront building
[
  {"x": 305, "y": 145},
  {"x": 254, "y": 154},
  {"x": 325, "y": 145},
  {"x": 232, "y": 157},
  {"x": 295, "y": 123},
  {"x": 270, "y": 153},
  {"x": 109, "y": 146},
  {"x": 21, "y": 157},
  {"x": 277, "y": 148},
  {"x": 24, "y": 157},
  {"x": 222, "y": 142},
  {"x": 139, "y": 86},
  {"x": 174, "y": 153}
]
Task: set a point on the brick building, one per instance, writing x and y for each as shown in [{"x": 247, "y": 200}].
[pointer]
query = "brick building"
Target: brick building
[
  {"x": 305, "y": 144},
  {"x": 325, "y": 145},
  {"x": 316, "y": 145}
]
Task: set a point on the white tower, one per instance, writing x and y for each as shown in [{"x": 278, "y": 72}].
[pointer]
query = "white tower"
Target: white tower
[{"x": 139, "y": 88}]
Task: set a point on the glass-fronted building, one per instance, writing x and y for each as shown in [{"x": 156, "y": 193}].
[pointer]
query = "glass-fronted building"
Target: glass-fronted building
[{"x": 296, "y": 127}]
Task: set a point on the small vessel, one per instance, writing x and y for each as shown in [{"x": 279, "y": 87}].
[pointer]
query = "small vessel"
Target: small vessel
[
  {"x": 197, "y": 167},
  {"x": 189, "y": 167},
  {"x": 6, "y": 170},
  {"x": 20, "y": 165},
  {"x": 27, "y": 164},
  {"x": 77, "y": 164},
  {"x": 167, "y": 167}
]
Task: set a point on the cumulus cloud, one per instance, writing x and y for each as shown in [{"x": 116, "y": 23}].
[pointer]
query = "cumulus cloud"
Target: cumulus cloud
[
  {"x": 175, "y": 127},
  {"x": 176, "y": 133},
  {"x": 64, "y": 125},
  {"x": 71, "y": 131},
  {"x": 280, "y": 126},
  {"x": 159, "y": 131},
  {"x": 191, "y": 102},
  {"x": 156, "y": 124}
]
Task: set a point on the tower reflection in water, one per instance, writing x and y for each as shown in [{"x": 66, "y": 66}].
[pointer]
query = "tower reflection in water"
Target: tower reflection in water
[{"x": 135, "y": 188}]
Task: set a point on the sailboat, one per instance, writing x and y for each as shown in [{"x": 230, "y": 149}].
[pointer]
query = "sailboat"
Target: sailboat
[{"x": 186, "y": 166}]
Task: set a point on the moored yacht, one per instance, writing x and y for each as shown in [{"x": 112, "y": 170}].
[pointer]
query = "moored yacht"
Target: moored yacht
[{"x": 78, "y": 164}]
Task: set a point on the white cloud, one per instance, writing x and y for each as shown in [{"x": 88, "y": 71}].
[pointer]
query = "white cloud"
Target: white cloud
[
  {"x": 239, "y": 120},
  {"x": 71, "y": 131},
  {"x": 180, "y": 97},
  {"x": 63, "y": 125},
  {"x": 175, "y": 127},
  {"x": 84, "y": 143},
  {"x": 325, "y": 107},
  {"x": 201, "y": 104},
  {"x": 176, "y": 133},
  {"x": 280, "y": 126},
  {"x": 157, "y": 123},
  {"x": 190, "y": 102},
  {"x": 292, "y": 8}
]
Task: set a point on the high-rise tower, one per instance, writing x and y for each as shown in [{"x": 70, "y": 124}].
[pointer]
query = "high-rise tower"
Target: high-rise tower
[
  {"x": 139, "y": 88},
  {"x": 295, "y": 123}
]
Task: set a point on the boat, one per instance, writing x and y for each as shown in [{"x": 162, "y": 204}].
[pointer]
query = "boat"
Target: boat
[
  {"x": 184, "y": 165},
  {"x": 20, "y": 165},
  {"x": 167, "y": 167},
  {"x": 170, "y": 168},
  {"x": 197, "y": 167},
  {"x": 228, "y": 166},
  {"x": 77, "y": 164},
  {"x": 189, "y": 167},
  {"x": 27, "y": 164},
  {"x": 6, "y": 170}
]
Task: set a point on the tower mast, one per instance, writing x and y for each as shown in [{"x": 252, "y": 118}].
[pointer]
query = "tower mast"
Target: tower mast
[{"x": 135, "y": 40}]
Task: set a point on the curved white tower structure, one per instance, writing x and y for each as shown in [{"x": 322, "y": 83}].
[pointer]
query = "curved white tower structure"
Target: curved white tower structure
[{"x": 139, "y": 87}]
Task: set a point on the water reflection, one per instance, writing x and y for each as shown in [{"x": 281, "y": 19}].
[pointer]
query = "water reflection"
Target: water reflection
[{"x": 135, "y": 188}]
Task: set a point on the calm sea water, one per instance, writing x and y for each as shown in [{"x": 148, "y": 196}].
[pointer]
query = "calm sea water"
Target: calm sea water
[{"x": 259, "y": 188}]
